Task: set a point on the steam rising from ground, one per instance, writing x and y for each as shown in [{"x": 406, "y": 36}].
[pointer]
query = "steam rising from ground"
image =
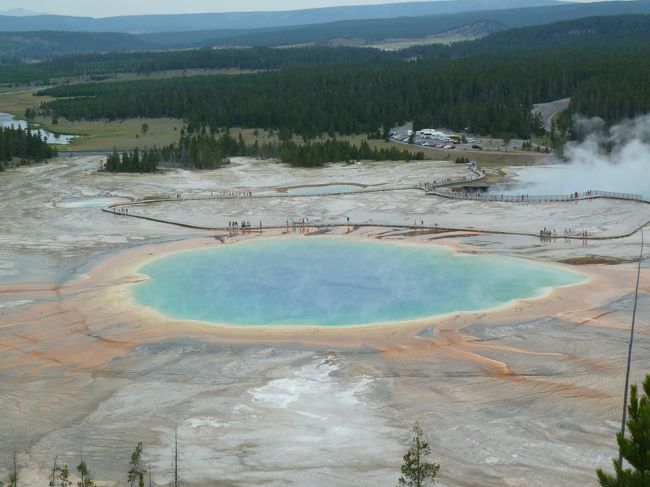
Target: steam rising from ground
[{"x": 617, "y": 159}]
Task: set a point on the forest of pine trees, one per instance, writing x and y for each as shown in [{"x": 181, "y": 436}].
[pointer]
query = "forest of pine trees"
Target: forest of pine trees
[
  {"x": 200, "y": 150},
  {"x": 313, "y": 100},
  {"x": 622, "y": 31},
  {"x": 193, "y": 151},
  {"x": 24, "y": 144},
  {"x": 98, "y": 65},
  {"x": 316, "y": 154},
  {"x": 132, "y": 161},
  {"x": 490, "y": 95}
]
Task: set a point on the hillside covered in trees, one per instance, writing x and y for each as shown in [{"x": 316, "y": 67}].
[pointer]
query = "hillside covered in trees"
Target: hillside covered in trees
[
  {"x": 312, "y": 100},
  {"x": 145, "y": 63},
  {"x": 45, "y": 37},
  {"x": 48, "y": 44},
  {"x": 408, "y": 27},
  {"x": 591, "y": 32},
  {"x": 488, "y": 94},
  {"x": 251, "y": 20},
  {"x": 584, "y": 33}
]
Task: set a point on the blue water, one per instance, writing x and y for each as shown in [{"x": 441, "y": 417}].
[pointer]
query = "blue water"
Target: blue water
[
  {"x": 331, "y": 281},
  {"x": 625, "y": 176},
  {"x": 7, "y": 120},
  {"x": 327, "y": 189},
  {"x": 86, "y": 203}
]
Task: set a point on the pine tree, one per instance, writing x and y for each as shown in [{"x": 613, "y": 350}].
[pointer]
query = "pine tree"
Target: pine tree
[
  {"x": 86, "y": 479},
  {"x": 635, "y": 449},
  {"x": 64, "y": 477},
  {"x": 416, "y": 471},
  {"x": 136, "y": 468}
]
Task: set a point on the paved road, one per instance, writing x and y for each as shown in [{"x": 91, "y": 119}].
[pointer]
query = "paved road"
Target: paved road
[{"x": 550, "y": 110}]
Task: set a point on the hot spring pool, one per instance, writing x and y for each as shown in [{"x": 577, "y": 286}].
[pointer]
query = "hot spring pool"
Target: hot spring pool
[
  {"x": 565, "y": 179},
  {"x": 86, "y": 203},
  {"x": 329, "y": 281}
]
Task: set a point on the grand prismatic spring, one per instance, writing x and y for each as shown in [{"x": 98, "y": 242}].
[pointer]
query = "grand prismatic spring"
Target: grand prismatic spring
[
  {"x": 340, "y": 246},
  {"x": 336, "y": 282},
  {"x": 103, "y": 345}
]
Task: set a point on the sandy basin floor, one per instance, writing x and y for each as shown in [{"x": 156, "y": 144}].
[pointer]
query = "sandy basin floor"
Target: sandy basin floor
[{"x": 524, "y": 396}]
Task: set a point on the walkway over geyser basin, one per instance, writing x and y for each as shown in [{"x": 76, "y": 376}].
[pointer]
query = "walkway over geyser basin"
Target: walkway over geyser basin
[{"x": 441, "y": 188}]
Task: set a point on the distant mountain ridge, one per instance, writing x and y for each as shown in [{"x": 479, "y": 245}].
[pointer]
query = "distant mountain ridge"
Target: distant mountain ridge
[
  {"x": 610, "y": 33},
  {"x": 594, "y": 31},
  {"x": 50, "y": 44},
  {"x": 39, "y": 45},
  {"x": 372, "y": 30},
  {"x": 140, "y": 24}
]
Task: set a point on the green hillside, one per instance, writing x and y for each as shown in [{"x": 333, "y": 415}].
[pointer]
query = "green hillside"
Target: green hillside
[
  {"x": 408, "y": 27},
  {"x": 47, "y": 44},
  {"x": 492, "y": 94},
  {"x": 254, "y": 20},
  {"x": 589, "y": 32}
]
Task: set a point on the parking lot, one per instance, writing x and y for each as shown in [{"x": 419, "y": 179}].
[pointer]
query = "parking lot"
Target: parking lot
[{"x": 448, "y": 140}]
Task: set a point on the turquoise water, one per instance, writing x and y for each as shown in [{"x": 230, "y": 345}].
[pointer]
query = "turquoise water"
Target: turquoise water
[
  {"x": 86, "y": 203},
  {"x": 331, "y": 281},
  {"x": 328, "y": 189}
]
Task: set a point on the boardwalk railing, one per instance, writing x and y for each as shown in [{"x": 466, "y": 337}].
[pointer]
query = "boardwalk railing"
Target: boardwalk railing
[
  {"x": 234, "y": 195},
  {"x": 430, "y": 186},
  {"x": 435, "y": 188},
  {"x": 620, "y": 196},
  {"x": 524, "y": 198}
]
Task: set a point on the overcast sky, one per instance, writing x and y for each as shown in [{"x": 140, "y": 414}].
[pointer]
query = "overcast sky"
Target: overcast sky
[{"x": 107, "y": 8}]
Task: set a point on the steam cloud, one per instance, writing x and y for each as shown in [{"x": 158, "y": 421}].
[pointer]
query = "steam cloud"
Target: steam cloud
[{"x": 616, "y": 160}]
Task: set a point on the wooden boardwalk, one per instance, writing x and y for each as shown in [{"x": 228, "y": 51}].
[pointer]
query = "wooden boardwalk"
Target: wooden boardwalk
[{"x": 429, "y": 188}]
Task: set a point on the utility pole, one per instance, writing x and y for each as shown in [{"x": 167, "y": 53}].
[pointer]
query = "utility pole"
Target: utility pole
[
  {"x": 149, "y": 474},
  {"x": 629, "y": 351},
  {"x": 176, "y": 455},
  {"x": 53, "y": 482}
]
